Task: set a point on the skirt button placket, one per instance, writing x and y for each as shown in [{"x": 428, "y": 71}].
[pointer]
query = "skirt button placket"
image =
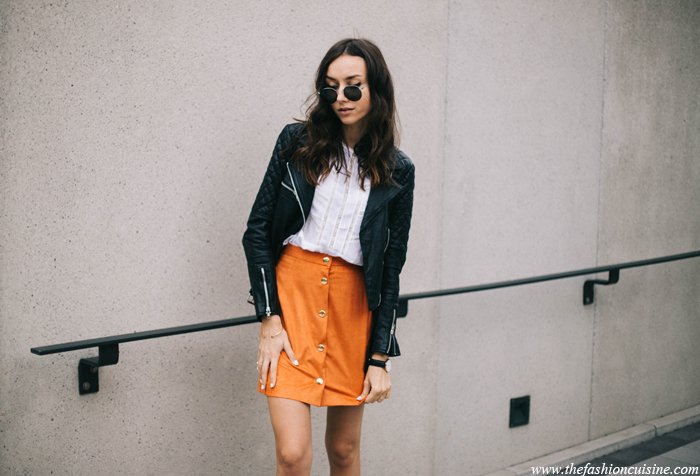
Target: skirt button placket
[{"x": 323, "y": 314}]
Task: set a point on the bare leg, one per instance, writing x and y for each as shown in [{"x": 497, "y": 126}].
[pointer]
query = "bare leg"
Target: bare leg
[
  {"x": 291, "y": 423},
  {"x": 343, "y": 431}
]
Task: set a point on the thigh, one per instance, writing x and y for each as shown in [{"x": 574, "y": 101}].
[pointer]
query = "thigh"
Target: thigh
[
  {"x": 344, "y": 424},
  {"x": 291, "y": 424}
]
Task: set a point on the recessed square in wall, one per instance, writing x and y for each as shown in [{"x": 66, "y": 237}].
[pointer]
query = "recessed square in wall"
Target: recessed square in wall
[{"x": 519, "y": 411}]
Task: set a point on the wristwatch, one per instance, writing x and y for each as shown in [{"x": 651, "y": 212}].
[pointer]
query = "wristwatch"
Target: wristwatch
[{"x": 386, "y": 365}]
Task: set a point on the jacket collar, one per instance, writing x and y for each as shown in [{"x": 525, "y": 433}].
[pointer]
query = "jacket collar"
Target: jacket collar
[{"x": 378, "y": 196}]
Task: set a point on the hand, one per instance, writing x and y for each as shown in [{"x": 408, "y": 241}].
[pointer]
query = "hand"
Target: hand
[
  {"x": 273, "y": 339},
  {"x": 377, "y": 386}
]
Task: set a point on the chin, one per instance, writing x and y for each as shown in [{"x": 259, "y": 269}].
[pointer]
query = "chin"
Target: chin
[{"x": 350, "y": 121}]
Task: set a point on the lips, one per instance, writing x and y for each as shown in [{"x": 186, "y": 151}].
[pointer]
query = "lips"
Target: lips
[{"x": 345, "y": 110}]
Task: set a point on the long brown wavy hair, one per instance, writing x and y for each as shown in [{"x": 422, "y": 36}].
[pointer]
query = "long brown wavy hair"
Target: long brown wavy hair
[{"x": 323, "y": 147}]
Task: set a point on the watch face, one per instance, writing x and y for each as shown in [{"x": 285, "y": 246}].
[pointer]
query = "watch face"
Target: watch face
[{"x": 387, "y": 366}]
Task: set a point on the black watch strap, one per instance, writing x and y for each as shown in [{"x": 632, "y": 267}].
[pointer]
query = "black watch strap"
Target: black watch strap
[{"x": 377, "y": 363}]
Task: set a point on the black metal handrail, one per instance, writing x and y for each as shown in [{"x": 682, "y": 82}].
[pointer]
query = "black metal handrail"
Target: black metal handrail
[
  {"x": 134, "y": 336},
  {"x": 109, "y": 346},
  {"x": 588, "y": 297}
]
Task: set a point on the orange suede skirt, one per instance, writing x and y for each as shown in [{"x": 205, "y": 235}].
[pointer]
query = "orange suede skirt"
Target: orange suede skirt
[{"x": 325, "y": 313}]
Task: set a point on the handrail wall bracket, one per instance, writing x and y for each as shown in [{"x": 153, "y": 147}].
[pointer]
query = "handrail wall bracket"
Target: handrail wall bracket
[
  {"x": 89, "y": 368},
  {"x": 402, "y": 309},
  {"x": 589, "y": 285}
]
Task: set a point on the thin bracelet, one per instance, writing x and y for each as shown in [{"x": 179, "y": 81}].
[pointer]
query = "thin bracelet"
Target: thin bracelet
[{"x": 275, "y": 335}]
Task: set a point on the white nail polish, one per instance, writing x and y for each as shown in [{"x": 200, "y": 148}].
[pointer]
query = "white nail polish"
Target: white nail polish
[{"x": 296, "y": 362}]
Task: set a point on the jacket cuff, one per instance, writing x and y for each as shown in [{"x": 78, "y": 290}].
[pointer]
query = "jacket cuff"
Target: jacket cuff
[
  {"x": 394, "y": 350},
  {"x": 261, "y": 309},
  {"x": 384, "y": 332}
]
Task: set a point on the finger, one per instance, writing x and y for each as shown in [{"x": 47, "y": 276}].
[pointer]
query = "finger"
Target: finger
[
  {"x": 261, "y": 356},
  {"x": 387, "y": 392},
  {"x": 263, "y": 373},
  {"x": 374, "y": 394},
  {"x": 365, "y": 391},
  {"x": 381, "y": 393},
  {"x": 288, "y": 350},
  {"x": 372, "y": 397},
  {"x": 273, "y": 372}
]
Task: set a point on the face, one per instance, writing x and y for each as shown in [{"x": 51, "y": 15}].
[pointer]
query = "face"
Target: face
[{"x": 344, "y": 71}]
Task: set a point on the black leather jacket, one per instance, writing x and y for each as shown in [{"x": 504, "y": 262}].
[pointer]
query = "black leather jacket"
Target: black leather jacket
[{"x": 280, "y": 210}]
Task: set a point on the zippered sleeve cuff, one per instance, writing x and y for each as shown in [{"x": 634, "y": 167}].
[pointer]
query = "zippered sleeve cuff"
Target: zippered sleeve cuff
[
  {"x": 394, "y": 350},
  {"x": 261, "y": 311},
  {"x": 384, "y": 332},
  {"x": 264, "y": 291}
]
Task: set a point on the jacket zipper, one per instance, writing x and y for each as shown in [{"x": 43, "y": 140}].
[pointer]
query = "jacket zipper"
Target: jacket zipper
[
  {"x": 296, "y": 194},
  {"x": 267, "y": 296},
  {"x": 391, "y": 335}
]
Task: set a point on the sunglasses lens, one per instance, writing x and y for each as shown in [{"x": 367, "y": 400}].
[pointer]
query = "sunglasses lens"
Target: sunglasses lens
[
  {"x": 329, "y": 95},
  {"x": 353, "y": 93}
]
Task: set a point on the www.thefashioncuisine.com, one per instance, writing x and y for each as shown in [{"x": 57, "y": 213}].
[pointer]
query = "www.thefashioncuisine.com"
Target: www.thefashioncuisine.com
[{"x": 613, "y": 469}]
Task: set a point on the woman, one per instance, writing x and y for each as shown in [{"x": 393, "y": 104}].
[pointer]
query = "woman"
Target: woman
[{"x": 325, "y": 243}]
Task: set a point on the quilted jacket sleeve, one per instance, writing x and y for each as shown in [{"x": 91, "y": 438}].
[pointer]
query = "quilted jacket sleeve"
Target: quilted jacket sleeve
[
  {"x": 256, "y": 239},
  {"x": 400, "y": 211}
]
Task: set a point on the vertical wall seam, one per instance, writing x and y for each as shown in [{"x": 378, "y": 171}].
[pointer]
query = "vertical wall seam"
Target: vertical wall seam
[
  {"x": 598, "y": 206},
  {"x": 438, "y": 303},
  {"x": 4, "y": 148}
]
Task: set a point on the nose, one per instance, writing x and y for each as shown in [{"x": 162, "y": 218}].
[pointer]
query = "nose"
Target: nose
[{"x": 341, "y": 95}]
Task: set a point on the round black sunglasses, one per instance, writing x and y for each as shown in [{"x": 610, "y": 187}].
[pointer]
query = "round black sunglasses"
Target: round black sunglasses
[{"x": 352, "y": 92}]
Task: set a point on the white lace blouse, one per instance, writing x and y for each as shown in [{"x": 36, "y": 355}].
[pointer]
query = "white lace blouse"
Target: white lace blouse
[{"x": 333, "y": 224}]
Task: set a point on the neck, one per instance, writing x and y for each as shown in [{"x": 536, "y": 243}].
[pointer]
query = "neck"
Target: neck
[{"x": 352, "y": 134}]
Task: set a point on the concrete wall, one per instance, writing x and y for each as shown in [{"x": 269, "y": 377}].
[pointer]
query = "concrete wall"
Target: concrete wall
[
  {"x": 647, "y": 330},
  {"x": 571, "y": 139},
  {"x": 521, "y": 173},
  {"x": 547, "y": 136}
]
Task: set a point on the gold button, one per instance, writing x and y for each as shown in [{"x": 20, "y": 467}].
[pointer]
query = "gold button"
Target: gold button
[
  {"x": 324, "y": 280},
  {"x": 322, "y": 313},
  {"x": 326, "y": 259},
  {"x": 321, "y": 347},
  {"x": 319, "y": 381}
]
